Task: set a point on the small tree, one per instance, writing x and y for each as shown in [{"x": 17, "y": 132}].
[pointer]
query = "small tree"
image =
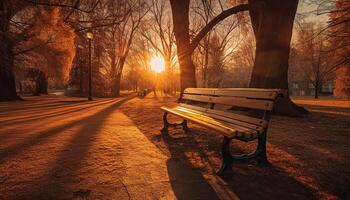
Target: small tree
[
  {"x": 314, "y": 60},
  {"x": 339, "y": 35},
  {"x": 48, "y": 49}
]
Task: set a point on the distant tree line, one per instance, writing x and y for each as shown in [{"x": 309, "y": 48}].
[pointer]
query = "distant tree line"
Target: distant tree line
[{"x": 204, "y": 43}]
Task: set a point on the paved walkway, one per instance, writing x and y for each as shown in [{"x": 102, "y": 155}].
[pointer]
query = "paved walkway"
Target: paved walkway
[{"x": 59, "y": 148}]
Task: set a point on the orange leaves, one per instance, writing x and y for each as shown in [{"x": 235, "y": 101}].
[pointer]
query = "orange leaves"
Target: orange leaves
[
  {"x": 342, "y": 83},
  {"x": 52, "y": 43}
]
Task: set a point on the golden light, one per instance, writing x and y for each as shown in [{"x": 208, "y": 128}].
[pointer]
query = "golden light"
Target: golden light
[
  {"x": 157, "y": 64},
  {"x": 90, "y": 35}
]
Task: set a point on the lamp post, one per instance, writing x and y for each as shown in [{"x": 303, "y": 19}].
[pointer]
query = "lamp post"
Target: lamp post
[{"x": 90, "y": 36}]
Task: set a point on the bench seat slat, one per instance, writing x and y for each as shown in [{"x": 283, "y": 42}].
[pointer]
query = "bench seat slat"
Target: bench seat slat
[
  {"x": 237, "y": 92},
  {"x": 217, "y": 118},
  {"x": 232, "y": 101},
  {"x": 243, "y": 118},
  {"x": 223, "y": 118},
  {"x": 229, "y": 130}
]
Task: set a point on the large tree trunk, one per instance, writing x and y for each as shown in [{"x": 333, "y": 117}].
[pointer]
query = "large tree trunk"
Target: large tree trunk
[
  {"x": 7, "y": 78},
  {"x": 180, "y": 10},
  {"x": 272, "y": 23}
]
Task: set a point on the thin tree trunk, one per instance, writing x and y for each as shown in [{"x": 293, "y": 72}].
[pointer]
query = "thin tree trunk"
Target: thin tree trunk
[
  {"x": 317, "y": 89},
  {"x": 206, "y": 58},
  {"x": 81, "y": 90},
  {"x": 168, "y": 88},
  {"x": 116, "y": 86},
  {"x": 41, "y": 83},
  {"x": 117, "y": 80},
  {"x": 272, "y": 23},
  {"x": 20, "y": 87},
  {"x": 317, "y": 84}
]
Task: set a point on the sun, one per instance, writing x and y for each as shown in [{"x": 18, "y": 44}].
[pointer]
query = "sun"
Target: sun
[{"x": 157, "y": 64}]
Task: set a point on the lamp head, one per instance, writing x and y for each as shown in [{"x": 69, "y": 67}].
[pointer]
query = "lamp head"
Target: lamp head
[{"x": 89, "y": 35}]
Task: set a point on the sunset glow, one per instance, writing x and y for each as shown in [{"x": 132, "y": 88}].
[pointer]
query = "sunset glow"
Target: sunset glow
[{"x": 157, "y": 64}]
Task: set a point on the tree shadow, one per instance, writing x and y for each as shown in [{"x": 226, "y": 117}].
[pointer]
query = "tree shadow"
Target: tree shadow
[
  {"x": 186, "y": 181},
  {"x": 63, "y": 110},
  {"x": 11, "y": 151},
  {"x": 61, "y": 175},
  {"x": 322, "y": 142}
]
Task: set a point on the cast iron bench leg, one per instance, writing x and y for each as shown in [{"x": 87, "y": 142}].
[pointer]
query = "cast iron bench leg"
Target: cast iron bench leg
[
  {"x": 165, "y": 124},
  {"x": 262, "y": 158},
  {"x": 226, "y": 156},
  {"x": 184, "y": 125}
]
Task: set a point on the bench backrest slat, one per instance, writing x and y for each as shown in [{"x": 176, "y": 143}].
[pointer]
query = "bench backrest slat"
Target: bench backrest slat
[
  {"x": 231, "y": 115},
  {"x": 213, "y": 101},
  {"x": 253, "y": 93},
  {"x": 231, "y": 101}
]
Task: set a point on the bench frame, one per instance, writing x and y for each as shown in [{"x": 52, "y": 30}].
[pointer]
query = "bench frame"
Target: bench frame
[
  {"x": 227, "y": 158},
  {"x": 259, "y": 153}
]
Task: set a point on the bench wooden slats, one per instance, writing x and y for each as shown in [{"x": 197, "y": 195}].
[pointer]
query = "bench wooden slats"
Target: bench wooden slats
[
  {"x": 226, "y": 130},
  {"x": 218, "y": 119},
  {"x": 216, "y": 108},
  {"x": 232, "y": 101},
  {"x": 243, "y": 118},
  {"x": 229, "y": 130},
  {"x": 236, "y": 92},
  {"x": 228, "y": 120}
]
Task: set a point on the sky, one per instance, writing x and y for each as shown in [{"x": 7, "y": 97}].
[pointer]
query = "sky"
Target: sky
[{"x": 309, "y": 9}]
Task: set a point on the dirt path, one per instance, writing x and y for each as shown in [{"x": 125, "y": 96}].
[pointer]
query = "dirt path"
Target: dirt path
[{"x": 59, "y": 148}]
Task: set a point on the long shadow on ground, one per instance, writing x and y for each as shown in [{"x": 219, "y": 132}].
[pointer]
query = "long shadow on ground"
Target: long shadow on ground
[
  {"x": 13, "y": 150},
  {"x": 67, "y": 161},
  {"x": 187, "y": 183}
]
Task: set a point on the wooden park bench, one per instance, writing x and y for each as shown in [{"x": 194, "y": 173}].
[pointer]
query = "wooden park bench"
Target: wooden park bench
[{"x": 236, "y": 113}]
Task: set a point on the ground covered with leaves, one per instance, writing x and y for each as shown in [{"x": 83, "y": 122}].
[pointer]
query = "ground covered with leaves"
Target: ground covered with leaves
[{"x": 56, "y": 147}]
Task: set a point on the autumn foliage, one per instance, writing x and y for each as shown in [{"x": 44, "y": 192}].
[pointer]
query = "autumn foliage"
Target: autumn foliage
[
  {"x": 52, "y": 45},
  {"x": 340, "y": 39}
]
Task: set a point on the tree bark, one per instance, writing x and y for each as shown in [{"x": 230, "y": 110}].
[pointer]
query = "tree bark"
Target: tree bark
[
  {"x": 116, "y": 86},
  {"x": 272, "y": 23},
  {"x": 42, "y": 83},
  {"x": 180, "y": 10},
  {"x": 317, "y": 89},
  {"x": 117, "y": 79},
  {"x": 7, "y": 77}
]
